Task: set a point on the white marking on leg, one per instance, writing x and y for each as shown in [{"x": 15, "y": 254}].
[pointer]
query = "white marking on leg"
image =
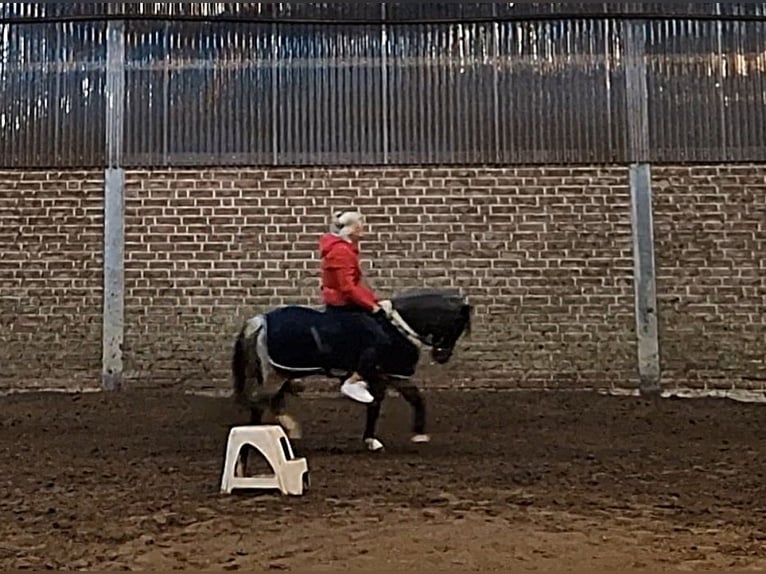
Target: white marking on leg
[
  {"x": 290, "y": 425},
  {"x": 421, "y": 438},
  {"x": 373, "y": 444}
]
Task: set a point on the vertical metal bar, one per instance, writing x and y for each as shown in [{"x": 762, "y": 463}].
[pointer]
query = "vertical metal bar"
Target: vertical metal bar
[
  {"x": 608, "y": 71},
  {"x": 495, "y": 59},
  {"x": 114, "y": 212},
  {"x": 645, "y": 303},
  {"x": 275, "y": 111},
  {"x": 63, "y": 68},
  {"x": 166, "y": 55},
  {"x": 384, "y": 80},
  {"x": 721, "y": 77}
]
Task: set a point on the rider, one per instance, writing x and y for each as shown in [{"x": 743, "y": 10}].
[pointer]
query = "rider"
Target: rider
[{"x": 343, "y": 292}]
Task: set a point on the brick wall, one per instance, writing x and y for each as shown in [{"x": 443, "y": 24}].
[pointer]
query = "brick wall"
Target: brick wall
[
  {"x": 50, "y": 279},
  {"x": 543, "y": 254},
  {"x": 710, "y": 233}
]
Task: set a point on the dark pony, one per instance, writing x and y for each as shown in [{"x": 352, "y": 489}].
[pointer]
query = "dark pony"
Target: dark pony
[{"x": 276, "y": 349}]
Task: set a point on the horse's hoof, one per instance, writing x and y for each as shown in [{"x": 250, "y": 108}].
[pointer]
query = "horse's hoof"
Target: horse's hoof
[
  {"x": 373, "y": 444},
  {"x": 421, "y": 438}
]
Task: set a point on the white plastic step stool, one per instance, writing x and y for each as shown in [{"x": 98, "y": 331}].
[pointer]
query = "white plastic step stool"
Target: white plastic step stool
[{"x": 291, "y": 474}]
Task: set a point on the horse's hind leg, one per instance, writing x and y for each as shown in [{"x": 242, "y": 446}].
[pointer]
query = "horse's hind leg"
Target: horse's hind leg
[
  {"x": 278, "y": 405},
  {"x": 256, "y": 418},
  {"x": 265, "y": 409},
  {"x": 415, "y": 398}
]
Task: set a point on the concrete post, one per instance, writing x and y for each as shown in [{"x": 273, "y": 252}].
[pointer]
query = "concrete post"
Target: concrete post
[
  {"x": 114, "y": 212},
  {"x": 648, "y": 350}
]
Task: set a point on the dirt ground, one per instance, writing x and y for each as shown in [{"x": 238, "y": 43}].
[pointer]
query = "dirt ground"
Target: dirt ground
[{"x": 526, "y": 481}]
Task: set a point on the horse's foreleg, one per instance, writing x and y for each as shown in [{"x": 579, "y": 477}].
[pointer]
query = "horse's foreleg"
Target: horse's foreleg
[
  {"x": 415, "y": 398},
  {"x": 373, "y": 413}
]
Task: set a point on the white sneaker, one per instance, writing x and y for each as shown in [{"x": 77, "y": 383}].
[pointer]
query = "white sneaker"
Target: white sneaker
[{"x": 357, "y": 391}]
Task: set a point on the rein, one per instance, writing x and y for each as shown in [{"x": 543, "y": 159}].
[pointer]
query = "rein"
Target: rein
[{"x": 408, "y": 331}]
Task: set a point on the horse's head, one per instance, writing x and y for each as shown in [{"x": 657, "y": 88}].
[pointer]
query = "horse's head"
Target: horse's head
[{"x": 438, "y": 318}]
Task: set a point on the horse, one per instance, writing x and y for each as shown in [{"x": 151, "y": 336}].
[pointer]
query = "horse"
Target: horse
[{"x": 276, "y": 349}]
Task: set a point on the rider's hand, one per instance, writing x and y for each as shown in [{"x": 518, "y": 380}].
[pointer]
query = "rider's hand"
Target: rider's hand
[{"x": 386, "y": 306}]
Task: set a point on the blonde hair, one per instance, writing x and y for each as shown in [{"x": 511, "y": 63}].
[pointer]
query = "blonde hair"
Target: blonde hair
[{"x": 344, "y": 220}]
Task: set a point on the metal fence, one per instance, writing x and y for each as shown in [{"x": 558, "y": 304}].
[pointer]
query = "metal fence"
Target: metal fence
[{"x": 339, "y": 84}]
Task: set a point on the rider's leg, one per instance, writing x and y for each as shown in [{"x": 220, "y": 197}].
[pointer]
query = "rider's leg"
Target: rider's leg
[
  {"x": 347, "y": 317},
  {"x": 357, "y": 387}
]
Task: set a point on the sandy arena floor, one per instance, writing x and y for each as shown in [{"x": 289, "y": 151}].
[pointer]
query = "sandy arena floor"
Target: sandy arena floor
[{"x": 533, "y": 481}]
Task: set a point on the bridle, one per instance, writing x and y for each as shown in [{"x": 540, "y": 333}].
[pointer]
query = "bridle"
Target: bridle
[{"x": 415, "y": 338}]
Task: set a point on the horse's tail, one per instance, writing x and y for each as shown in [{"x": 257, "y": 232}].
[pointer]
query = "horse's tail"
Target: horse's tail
[
  {"x": 239, "y": 367},
  {"x": 245, "y": 360}
]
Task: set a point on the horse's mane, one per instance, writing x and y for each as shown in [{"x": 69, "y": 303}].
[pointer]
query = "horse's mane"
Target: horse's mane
[
  {"x": 427, "y": 293},
  {"x": 452, "y": 296}
]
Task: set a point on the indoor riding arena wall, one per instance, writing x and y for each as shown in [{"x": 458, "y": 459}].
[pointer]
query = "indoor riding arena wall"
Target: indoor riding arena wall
[
  {"x": 544, "y": 255},
  {"x": 51, "y": 260}
]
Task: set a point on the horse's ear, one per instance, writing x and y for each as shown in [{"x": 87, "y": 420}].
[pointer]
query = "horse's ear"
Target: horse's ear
[{"x": 465, "y": 313}]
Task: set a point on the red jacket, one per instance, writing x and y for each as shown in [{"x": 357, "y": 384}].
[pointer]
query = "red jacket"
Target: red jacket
[{"x": 341, "y": 274}]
